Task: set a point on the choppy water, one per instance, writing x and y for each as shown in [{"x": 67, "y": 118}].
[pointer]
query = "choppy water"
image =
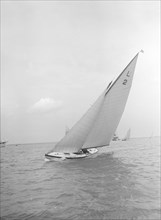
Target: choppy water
[{"x": 122, "y": 185}]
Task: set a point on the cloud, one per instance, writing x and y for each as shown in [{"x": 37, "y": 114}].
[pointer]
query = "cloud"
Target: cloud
[{"x": 45, "y": 105}]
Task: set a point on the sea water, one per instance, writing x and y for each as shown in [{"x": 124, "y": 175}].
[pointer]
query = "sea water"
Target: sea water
[{"x": 123, "y": 183}]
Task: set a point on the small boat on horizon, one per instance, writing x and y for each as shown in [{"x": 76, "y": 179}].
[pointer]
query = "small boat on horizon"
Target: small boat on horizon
[
  {"x": 115, "y": 137},
  {"x": 97, "y": 126},
  {"x": 127, "y": 136}
]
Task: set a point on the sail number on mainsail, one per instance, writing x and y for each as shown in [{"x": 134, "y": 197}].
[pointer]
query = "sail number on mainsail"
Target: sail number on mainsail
[{"x": 125, "y": 80}]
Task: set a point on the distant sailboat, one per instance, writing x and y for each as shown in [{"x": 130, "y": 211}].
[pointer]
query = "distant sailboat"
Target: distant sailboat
[
  {"x": 127, "y": 136},
  {"x": 115, "y": 137},
  {"x": 98, "y": 125}
]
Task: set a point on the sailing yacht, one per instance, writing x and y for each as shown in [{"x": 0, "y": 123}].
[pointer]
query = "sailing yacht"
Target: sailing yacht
[
  {"x": 127, "y": 136},
  {"x": 97, "y": 126}
]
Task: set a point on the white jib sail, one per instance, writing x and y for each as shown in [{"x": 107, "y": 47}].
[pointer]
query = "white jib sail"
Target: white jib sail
[
  {"x": 66, "y": 130},
  {"x": 74, "y": 139},
  {"x": 97, "y": 126}
]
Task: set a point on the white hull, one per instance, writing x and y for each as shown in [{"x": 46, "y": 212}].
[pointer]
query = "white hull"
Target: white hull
[{"x": 59, "y": 156}]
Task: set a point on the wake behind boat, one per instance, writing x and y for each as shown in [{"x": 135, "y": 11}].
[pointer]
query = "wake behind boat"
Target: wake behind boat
[{"x": 97, "y": 126}]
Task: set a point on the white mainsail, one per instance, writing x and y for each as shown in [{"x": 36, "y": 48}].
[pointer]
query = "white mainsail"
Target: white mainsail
[
  {"x": 128, "y": 134},
  {"x": 97, "y": 127}
]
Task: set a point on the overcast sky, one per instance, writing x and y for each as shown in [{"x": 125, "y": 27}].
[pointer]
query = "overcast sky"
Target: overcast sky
[{"x": 57, "y": 57}]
